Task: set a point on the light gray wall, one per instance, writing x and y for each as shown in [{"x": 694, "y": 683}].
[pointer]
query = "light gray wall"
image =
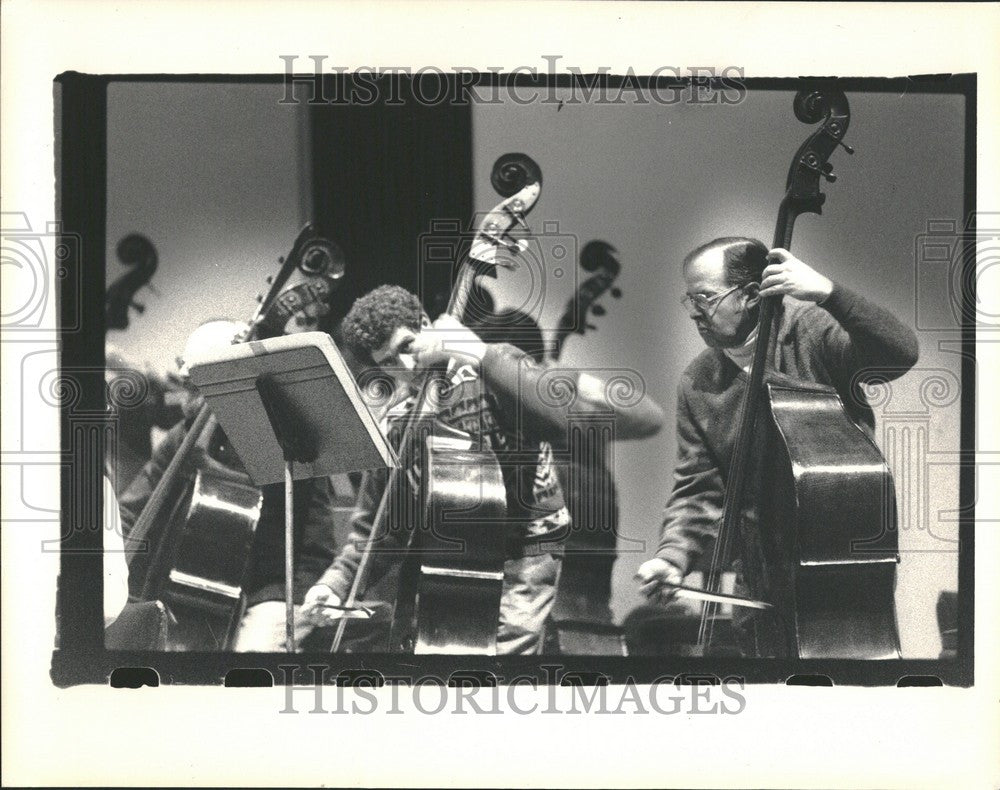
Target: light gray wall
[{"x": 213, "y": 175}]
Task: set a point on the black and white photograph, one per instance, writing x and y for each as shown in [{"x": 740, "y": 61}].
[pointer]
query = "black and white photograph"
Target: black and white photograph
[
  {"x": 568, "y": 276},
  {"x": 641, "y": 389}
]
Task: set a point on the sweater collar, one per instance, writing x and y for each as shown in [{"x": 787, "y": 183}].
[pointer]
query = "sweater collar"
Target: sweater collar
[{"x": 742, "y": 355}]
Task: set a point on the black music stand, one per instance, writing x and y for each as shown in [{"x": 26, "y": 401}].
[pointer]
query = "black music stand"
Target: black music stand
[{"x": 292, "y": 411}]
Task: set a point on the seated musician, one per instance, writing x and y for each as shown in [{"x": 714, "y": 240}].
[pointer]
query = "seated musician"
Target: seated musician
[
  {"x": 262, "y": 628},
  {"x": 823, "y": 333},
  {"x": 498, "y": 403}
]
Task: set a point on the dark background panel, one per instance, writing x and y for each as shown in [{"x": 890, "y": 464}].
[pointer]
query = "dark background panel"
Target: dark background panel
[{"x": 381, "y": 176}]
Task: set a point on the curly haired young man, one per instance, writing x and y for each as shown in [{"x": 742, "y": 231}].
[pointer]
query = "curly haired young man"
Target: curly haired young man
[{"x": 492, "y": 394}]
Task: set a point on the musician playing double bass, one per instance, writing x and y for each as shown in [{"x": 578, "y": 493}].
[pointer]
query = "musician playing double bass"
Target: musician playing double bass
[
  {"x": 262, "y": 626},
  {"x": 823, "y": 333},
  {"x": 216, "y": 556},
  {"x": 492, "y": 396},
  {"x": 389, "y": 328}
]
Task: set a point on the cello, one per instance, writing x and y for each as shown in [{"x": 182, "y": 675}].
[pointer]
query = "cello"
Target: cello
[
  {"x": 823, "y": 492},
  {"x": 452, "y": 576}
]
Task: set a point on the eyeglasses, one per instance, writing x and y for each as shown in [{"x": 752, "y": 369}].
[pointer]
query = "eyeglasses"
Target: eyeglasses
[{"x": 704, "y": 303}]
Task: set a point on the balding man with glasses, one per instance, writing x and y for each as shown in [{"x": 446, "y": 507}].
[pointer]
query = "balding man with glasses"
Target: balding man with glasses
[{"x": 823, "y": 333}]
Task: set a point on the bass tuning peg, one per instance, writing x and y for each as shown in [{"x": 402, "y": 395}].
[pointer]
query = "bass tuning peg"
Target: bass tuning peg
[
  {"x": 517, "y": 213},
  {"x": 826, "y": 170}
]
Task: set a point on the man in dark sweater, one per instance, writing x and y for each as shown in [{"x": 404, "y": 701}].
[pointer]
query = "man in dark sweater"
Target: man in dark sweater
[{"x": 822, "y": 333}]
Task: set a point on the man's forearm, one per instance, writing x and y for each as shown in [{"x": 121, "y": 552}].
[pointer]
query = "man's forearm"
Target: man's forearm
[
  {"x": 877, "y": 337},
  {"x": 517, "y": 382},
  {"x": 513, "y": 377},
  {"x": 687, "y": 532}
]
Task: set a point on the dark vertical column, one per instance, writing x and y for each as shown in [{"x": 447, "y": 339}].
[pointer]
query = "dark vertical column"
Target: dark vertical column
[
  {"x": 81, "y": 145},
  {"x": 967, "y": 472},
  {"x": 383, "y": 172}
]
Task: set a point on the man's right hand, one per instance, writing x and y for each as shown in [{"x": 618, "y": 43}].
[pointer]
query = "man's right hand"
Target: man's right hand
[
  {"x": 315, "y": 604},
  {"x": 655, "y": 577}
]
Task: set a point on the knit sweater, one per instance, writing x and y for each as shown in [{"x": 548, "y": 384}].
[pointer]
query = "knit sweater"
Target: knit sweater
[{"x": 842, "y": 342}]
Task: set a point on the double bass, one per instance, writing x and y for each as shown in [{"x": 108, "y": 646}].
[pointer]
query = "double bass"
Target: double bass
[
  {"x": 201, "y": 554},
  {"x": 823, "y": 496},
  {"x": 452, "y": 576}
]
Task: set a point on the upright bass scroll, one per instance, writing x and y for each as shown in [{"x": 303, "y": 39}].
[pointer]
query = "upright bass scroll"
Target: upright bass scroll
[{"x": 137, "y": 252}]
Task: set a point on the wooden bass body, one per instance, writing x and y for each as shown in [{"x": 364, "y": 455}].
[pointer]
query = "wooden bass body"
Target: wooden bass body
[
  {"x": 455, "y": 568},
  {"x": 828, "y": 493},
  {"x": 208, "y": 562}
]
